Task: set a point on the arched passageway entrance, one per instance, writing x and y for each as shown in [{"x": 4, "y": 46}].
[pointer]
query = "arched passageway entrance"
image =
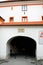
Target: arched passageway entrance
[{"x": 22, "y": 45}]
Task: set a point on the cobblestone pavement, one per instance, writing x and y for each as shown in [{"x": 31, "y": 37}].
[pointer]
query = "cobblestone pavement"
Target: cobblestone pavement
[{"x": 21, "y": 61}]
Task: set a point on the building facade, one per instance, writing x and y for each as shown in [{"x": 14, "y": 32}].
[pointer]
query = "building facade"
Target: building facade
[{"x": 21, "y": 19}]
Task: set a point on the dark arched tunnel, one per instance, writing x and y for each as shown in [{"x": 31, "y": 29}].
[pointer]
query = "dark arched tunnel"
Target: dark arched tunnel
[{"x": 22, "y": 45}]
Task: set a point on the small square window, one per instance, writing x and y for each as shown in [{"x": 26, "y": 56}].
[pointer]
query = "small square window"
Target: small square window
[
  {"x": 24, "y": 19},
  {"x": 11, "y": 19},
  {"x": 24, "y": 7}
]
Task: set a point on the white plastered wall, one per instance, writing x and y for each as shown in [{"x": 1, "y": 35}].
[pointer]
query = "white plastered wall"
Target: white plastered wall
[
  {"x": 34, "y": 13},
  {"x": 7, "y": 32}
]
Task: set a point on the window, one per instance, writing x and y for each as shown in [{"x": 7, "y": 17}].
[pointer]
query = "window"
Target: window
[
  {"x": 11, "y": 19},
  {"x": 42, "y": 17},
  {"x": 24, "y": 7},
  {"x": 24, "y": 19}
]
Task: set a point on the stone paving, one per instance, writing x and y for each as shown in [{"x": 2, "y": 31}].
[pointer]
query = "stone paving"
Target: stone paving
[{"x": 21, "y": 61}]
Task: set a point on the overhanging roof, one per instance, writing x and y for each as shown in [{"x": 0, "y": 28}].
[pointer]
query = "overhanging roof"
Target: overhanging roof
[{"x": 7, "y": 3}]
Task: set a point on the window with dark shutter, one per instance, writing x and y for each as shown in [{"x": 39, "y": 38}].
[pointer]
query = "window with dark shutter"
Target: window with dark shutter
[
  {"x": 42, "y": 17},
  {"x": 24, "y": 19},
  {"x": 11, "y": 19}
]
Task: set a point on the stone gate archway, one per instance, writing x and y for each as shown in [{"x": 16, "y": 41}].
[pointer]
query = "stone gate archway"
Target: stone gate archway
[{"x": 21, "y": 45}]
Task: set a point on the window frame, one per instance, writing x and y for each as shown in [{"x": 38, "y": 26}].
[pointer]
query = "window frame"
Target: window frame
[
  {"x": 24, "y": 17},
  {"x": 24, "y": 7},
  {"x": 42, "y": 18},
  {"x": 12, "y": 19}
]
